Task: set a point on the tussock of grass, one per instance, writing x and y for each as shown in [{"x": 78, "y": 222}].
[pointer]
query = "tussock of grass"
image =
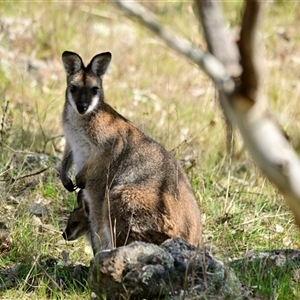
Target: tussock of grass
[{"x": 165, "y": 95}]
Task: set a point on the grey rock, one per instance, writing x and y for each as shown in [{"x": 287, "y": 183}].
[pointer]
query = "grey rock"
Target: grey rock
[{"x": 174, "y": 270}]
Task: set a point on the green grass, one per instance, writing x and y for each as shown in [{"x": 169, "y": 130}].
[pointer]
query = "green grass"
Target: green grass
[
  {"x": 267, "y": 278},
  {"x": 170, "y": 98}
]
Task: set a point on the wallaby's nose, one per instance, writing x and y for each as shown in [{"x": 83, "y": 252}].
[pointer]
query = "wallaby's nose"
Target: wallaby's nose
[{"x": 82, "y": 107}]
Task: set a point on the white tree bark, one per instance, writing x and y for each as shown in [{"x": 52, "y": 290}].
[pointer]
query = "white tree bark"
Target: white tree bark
[{"x": 236, "y": 72}]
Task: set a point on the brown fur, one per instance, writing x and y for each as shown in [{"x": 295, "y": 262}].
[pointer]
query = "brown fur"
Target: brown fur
[{"x": 135, "y": 189}]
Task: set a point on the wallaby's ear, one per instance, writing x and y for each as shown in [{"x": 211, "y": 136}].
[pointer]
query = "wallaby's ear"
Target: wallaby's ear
[
  {"x": 72, "y": 62},
  {"x": 100, "y": 63}
]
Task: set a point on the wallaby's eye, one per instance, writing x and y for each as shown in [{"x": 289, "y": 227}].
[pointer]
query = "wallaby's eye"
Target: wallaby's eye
[
  {"x": 73, "y": 88},
  {"x": 95, "y": 90},
  {"x": 75, "y": 224}
]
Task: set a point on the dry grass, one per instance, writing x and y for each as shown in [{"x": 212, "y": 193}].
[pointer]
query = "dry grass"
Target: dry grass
[{"x": 160, "y": 91}]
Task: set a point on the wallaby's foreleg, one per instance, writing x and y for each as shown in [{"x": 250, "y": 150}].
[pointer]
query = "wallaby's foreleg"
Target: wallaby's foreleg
[
  {"x": 83, "y": 175},
  {"x": 80, "y": 178},
  {"x": 65, "y": 167}
]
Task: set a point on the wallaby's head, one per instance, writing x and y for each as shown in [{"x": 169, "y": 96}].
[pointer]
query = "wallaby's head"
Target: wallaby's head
[
  {"x": 78, "y": 222},
  {"x": 84, "y": 84}
]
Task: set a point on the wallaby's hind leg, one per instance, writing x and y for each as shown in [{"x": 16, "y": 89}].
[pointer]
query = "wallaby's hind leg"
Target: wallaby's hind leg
[
  {"x": 100, "y": 236},
  {"x": 147, "y": 215}
]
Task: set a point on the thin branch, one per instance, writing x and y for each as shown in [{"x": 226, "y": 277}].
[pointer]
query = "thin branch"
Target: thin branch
[
  {"x": 36, "y": 262},
  {"x": 207, "y": 62},
  {"x": 221, "y": 45},
  {"x": 219, "y": 41},
  {"x": 50, "y": 140},
  {"x": 33, "y": 174},
  {"x": 28, "y": 175}
]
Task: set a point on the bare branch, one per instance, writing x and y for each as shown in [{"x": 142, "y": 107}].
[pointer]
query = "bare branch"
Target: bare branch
[
  {"x": 207, "y": 62},
  {"x": 221, "y": 45}
]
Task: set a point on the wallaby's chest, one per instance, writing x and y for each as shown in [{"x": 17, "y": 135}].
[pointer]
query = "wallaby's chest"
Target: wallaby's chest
[{"x": 81, "y": 146}]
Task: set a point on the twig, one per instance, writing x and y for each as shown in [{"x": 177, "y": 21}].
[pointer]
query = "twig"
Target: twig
[
  {"x": 99, "y": 13},
  {"x": 20, "y": 151},
  {"x": 36, "y": 262},
  {"x": 28, "y": 175}
]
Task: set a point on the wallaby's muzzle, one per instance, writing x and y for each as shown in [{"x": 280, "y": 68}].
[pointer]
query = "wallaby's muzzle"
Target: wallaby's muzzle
[
  {"x": 82, "y": 107},
  {"x": 68, "y": 236},
  {"x": 82, "y": 102}
]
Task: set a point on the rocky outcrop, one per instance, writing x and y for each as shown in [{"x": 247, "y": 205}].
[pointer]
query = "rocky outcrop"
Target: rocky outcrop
[{"x": 174, "y": 270}]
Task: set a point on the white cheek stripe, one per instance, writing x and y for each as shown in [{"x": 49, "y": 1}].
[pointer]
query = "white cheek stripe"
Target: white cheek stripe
[
  {"x": 71, "y": 100},
  {"x": 91, "y": 107},
  {"x": 93, "y": 104}
]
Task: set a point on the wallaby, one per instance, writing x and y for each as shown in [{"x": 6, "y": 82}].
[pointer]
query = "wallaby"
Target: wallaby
[
  {"x": 78, "y": 222},
  {"x": 134, "y": 188}
]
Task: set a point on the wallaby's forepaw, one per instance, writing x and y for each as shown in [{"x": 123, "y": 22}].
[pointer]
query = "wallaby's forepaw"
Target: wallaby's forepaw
[{"x": 69, "y": 185}]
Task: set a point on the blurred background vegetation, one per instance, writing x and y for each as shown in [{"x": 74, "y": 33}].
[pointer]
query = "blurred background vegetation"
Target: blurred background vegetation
[{"x": 160, "y": 91}]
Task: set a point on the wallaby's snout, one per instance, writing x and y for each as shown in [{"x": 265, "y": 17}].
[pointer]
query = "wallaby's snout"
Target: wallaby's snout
[
  {"x": 66, "y": 235},
  {"x": 83, "y": 96},
  {"x": 82, "y": 105}
]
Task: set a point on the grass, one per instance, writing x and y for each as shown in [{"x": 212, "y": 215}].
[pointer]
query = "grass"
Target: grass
[
  {"x": 164, "y": 94},
  {"x": 274, "y": 278}
]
